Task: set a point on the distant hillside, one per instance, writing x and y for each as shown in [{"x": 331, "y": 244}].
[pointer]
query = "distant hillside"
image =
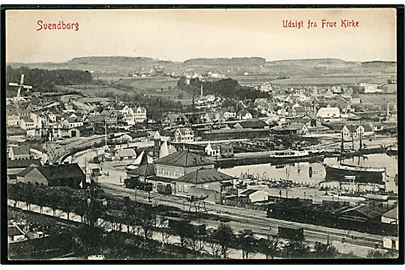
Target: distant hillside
[
  {"x": 236, "y": 61},
  {"x": 118, "y": 66}
]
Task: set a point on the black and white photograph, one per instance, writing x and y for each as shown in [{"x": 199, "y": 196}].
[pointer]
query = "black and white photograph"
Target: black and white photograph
[{"x": 200, "y": 134}]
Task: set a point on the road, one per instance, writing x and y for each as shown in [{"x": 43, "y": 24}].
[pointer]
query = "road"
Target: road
[{"x": 241, "y": 218}]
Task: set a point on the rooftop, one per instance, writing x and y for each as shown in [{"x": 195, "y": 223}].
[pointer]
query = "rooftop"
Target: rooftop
[
  {"x": 204, "y": 176},
  {"x": 184, "y": 159}
]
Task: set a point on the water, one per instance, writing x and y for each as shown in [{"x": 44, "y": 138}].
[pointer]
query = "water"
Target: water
[{"x": 299, "y": 172}]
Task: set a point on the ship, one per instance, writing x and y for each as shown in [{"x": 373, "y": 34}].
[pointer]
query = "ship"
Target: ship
[
  {"x": 357, "y": 173},
  {"x": 392, "y": 150},
  {"x": 341, "y": 172}
]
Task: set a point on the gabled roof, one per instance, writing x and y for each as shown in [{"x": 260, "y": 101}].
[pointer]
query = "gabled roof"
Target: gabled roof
[
  {"x": 21, "y": 150},
  {"x": 143, "y": 170},
  {"x": 393, "y": 213},
  {"x": 253, "y": 124},
  {"x": 126, "y": 153},
  {"x": 23, "y": 163},
  {"x": 183, "y": 130},
  {"x": 369, "y": 211},
  {"x": 14, "y": 231},
  {"x": 51, "y": 172},
  {"x": 184, "y": 159},
  {"x": 204, "y": 176},
  {"x": 248, "y": 192}
]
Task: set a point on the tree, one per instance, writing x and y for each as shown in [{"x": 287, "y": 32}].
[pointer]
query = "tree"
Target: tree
[
  {"x": 296, "y": 249},
  {"x": 270, "y": 246},
  {"x": 324, "y": 250},
  {"x": 147, "y": 219},
  {"x": 246, "y": 242},
  {"x": 225, "y": 236}
]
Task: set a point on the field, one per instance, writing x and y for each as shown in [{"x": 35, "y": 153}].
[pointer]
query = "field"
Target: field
[
  {"x": 316, "y": 80},
  {"x": 154, "y": 86}
]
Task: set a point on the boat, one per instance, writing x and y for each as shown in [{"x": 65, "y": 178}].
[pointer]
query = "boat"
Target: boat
[
  {"x": 392, "y": 150},
  {"x": 356, "y": 173},
  {"x": 341, "y": 172},
  {"x": 289, "y": 154}
]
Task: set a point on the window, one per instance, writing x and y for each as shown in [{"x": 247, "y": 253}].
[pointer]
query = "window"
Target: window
[
  {"x": 176, "y": 173},
  {"x": 185, "y": 189},
  {"x": 179, "y": 188}
]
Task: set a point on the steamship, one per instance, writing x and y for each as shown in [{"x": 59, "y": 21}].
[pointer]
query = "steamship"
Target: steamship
[{"x": 360, "y": 174}]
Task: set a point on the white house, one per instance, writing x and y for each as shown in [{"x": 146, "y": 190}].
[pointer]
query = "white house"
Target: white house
[
  {"x": 329, "y": 112},
  {"x": 140, "y": 114},
  {"x": 129, "y": 116},
  {"x": 183, "y": 135},
  {"x": 213, "y": 150},
  {"x": 254, "y": 195},
  {"x": 13, "y": 119}
]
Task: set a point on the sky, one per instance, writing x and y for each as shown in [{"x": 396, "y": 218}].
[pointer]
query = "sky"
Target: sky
[{"x": 181, "y": 34}]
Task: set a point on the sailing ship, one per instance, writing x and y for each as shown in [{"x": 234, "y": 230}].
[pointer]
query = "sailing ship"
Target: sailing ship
[{"x": 360, "y": 174}]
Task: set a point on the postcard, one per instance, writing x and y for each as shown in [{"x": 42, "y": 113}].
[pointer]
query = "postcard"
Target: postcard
[{"x": 202, "y": 134}]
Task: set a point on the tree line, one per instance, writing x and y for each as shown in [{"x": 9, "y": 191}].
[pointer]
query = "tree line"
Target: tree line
[
  {"x": 43, "y": 80},
  {"x": 217, "y": 243},
  {"x": 226, "y": 88}
]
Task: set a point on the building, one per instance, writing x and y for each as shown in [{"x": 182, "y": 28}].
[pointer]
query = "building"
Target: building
[
  {"x": 72, "y": 122},
  {"x": 27, "y": 123},
  {"x": 391, "y": 242},
  {"x": 19, "y": 152},
  {"x": 14, "y": 167},
  {"x": 13, "y": 119},
  {"x": 140, "y": 115},
  {"x": 328, "y": 112},
  {"x": 369, "y": 88},
  {"x": 213, "y": 150},
  {"x": 253, "y": 195},
  {"x": 15, "y": 234},
  {"x": 256, "y": 124},
  {"x": 70, "y": 175},
  {"x": 124, "y": 154},
  {"x": 390, "y": 217},
  {"x": 202, "y": 183},
  {"x": 243, "y": 115},
  {"x": 181, "y": 163},
  {"x": 183, "y": 135}
]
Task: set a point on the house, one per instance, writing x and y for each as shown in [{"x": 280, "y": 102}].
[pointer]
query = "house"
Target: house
[
  {"x": 328, "y": 112},
  {"x": 71, "y": 122},
  {"x": 13, "y": 118},
  {"x": 363, "y": 213},
  {"x": 243, "y": 115},
  {"x": 202, "y": 183},
  {"x": 15, "y": 234},
  {"x": 140, "y": 114},
  {"x": 70, "y": 175},
  {"x": 183, "y": 135},
  {"x": 124, "y": 154},
  {"x": 182, "y": 119},
  {"x": 390, "y": 217},
  {"x": 19, "y": 152},
  {"x": 257, "y": 124},
  {"x": 128, "y": 115},
  {"x": 369, "y": 88},
  {"x": 27, "y": 123},
  {"x": 213, "y": 150},
  {"x": 353, "y": 131},
  {"x": 291, "y": 129},
  {"x": 229, "y": 113},
  {"x": 391, "y": 242},
  {"x": 181, "y": 163},
  {"x": 253, "y": 195},
  {"x": 14, "y": 167}
]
